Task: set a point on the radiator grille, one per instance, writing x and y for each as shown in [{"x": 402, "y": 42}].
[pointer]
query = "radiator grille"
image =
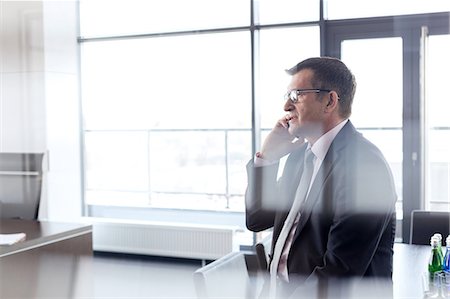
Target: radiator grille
[{"x": 160, "y": 239}]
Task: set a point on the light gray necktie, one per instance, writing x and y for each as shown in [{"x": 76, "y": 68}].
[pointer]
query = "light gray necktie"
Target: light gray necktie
[{"x": 300, "y": 197}]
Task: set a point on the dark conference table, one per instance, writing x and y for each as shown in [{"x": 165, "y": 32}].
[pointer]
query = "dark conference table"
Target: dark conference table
[{"x": 48, "y": 262}]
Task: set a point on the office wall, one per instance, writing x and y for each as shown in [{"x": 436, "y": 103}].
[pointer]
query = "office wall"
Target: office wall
[
  {"x": 39, "y": 104},
  {"x": 63, "y": 109},
  {"x": 22, "y": 65}
]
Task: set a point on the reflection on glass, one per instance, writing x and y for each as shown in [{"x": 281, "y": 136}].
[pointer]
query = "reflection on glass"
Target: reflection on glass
[
  {"x": 438, "y": 124},
  {"x": 339, "y": 9},
  {"x": 125, "y": 17},
  {"x": 378, "y": 103},
  {"x": 281, "y": 49},
  {"x": 168, "y": 82}
]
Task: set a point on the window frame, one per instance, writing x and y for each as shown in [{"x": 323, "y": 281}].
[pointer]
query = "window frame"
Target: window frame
[{"x": 332, "y": 32}]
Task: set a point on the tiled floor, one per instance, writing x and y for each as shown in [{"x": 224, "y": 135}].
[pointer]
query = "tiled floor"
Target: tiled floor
[{"x": 115, "y": 276}]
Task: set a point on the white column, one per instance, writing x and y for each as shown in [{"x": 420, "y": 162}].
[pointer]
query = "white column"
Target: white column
[{"x": 63, "y": 110}]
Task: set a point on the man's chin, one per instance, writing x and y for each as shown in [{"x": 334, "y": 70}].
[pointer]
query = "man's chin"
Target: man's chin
[{"x": 294, "y": 130}]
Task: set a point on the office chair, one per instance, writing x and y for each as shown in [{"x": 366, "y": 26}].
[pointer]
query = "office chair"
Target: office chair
[
  {"x": 263, "y": 249},
  {"x": 20, "y": 185},
  {"x": 425, "y": 224},
  {"x": 226, "y": 277}
]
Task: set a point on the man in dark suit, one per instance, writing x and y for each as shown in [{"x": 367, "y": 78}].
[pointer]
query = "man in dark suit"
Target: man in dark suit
[{"x": 336, "y": 220}]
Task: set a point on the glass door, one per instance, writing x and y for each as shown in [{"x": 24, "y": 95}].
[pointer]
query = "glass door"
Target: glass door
[
  {"x": 401, "y": 100},
  {"x": 378, "y": 103},
  {"x": 437, "y": 131}
]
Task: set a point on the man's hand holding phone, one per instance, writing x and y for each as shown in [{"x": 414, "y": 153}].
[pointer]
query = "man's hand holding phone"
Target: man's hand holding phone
[{"x": 280, "y": 142}]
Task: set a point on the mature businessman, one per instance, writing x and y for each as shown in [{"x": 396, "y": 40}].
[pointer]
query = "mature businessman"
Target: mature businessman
[{"x": 333, "y": 208}]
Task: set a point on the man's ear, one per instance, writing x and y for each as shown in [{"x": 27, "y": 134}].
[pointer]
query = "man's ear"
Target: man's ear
[{"x": 333, "y": 101}]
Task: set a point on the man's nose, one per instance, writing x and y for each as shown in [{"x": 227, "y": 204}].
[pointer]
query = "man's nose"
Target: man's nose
[{"x": 288, "y": 105}]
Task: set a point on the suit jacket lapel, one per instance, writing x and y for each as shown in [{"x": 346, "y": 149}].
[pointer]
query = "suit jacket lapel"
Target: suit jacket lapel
[
  {"x": 324, "y": 172},
  {"x": 291, "y": 182},
  {"x": 289, "y": 186},
  {"x": 313, "y": 196}
]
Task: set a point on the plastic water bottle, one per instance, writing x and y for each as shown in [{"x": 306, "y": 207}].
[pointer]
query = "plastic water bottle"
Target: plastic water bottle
[
  {"x": 435, "y": 262},
  {"x": 439, "y": 237},
  {"x": 445, "y": 280},
  {"x": 446, "y": 266}
]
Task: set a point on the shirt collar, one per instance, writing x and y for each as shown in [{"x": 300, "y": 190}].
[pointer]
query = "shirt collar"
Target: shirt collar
[{"x": 321, "y": 146}]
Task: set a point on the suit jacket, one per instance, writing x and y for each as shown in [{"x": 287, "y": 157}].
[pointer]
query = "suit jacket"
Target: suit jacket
[{"x": 347, "y": 223}]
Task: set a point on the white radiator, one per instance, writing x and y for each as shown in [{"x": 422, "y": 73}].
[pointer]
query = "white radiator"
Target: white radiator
[{"x": 163, "y": 239}]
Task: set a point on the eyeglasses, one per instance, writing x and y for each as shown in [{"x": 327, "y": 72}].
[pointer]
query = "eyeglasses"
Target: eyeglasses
[{"x": 293, "y": 94}]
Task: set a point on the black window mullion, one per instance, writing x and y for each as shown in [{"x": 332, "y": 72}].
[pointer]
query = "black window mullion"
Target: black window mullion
[{"x": 412, "y": 135}]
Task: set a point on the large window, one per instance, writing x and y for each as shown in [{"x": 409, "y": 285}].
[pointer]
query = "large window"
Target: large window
[
  {"x": 437, "y": 139},
  {"x": 167, "y": 96},
  {"x": 167, "y": 121},
  {"x": 178, "y": 94}
]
